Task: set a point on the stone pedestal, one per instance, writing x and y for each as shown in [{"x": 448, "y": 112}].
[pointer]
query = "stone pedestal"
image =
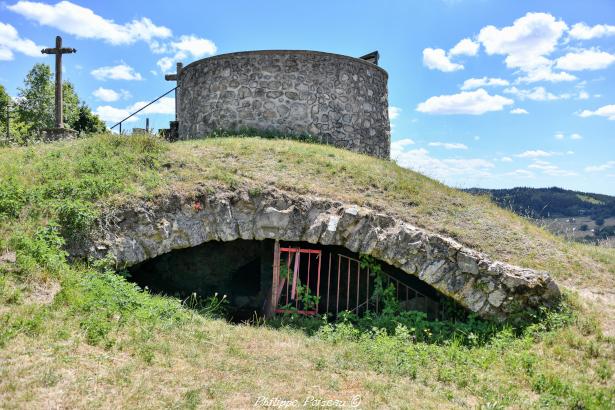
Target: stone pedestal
[
  {"x": 171, "y": 134},
  {"x": 55, "y": 134}
]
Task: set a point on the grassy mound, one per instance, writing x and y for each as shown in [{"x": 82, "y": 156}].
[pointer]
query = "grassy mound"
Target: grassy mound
[{"x": 80, "y": 336}]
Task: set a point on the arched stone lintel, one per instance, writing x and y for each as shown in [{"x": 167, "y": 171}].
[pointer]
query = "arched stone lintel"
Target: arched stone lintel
[{"x": 492, "y": 289}]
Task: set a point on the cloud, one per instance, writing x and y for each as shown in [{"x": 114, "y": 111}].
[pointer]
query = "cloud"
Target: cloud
[
  {"x": 559, "y": 136},
  {"x": 117, "y": 72},
  {"x": 165, "y": 64},
  {"x": 535, "y": 94},
  {"x": 187, "y": 47},
  {"x": 523, "y": 173},
  {"x": 109, "y": 95},
  {"x": 394, "y": 112},
  {"x": 112, "y": 114},
  {"x": 583, "y": 95},
  {"x": 436, "y": 59},
  {"x": 518, "y": 111},
  {"x": 585, "y": 60},
  {"x": 526, "y": 45},
  {"x": 473, "y": 83},
  {"x": 448, "y": 145},
  {"x": 82, "y": 22},
  {"x": 506, "y": 159},
  {"x": 600, "y": 168},
  {"x": 466, "y": 102},
  {"x": 465, "y": 47},
  {"x": 535, "y": 154},
  {"x": 545, "y": 74},
  {"x": 165, "y": 106},
  {"x": 605, "y": 111},
  {"x": 576, "y": 136},
  {"x": 10, "y": 41},
  {"x": 399, "y": 145},
  {"x": 550, "y": 169},
  {"x": 443, "y": 169},
  {"x": 195, "y": 46},
  {"x": 582, "y": 31}
]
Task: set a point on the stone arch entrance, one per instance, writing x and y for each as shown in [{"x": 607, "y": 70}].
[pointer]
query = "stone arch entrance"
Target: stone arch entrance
[
  {"x": 269, "y": 277},
  {"x": 140, "y": 231}
]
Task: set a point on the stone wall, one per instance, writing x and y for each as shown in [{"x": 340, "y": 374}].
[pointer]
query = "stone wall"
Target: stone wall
[
  {"x": 144, "y": 230},
  {"x": 337, "y": 99}
]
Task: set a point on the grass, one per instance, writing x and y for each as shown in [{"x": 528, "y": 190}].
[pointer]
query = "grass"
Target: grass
[{"x": 100, "y": 342}]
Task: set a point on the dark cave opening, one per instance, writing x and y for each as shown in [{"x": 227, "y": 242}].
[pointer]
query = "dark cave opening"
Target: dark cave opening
[{"x": 309, "y": 279}]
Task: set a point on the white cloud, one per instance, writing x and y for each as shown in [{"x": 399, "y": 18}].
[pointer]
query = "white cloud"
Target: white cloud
[
  {"x": 118, "y": 72},
  {"x": 165, "y": 64},
  {"x": 448, "y": 145},
  {"x": 582, "y": 31},
  {"x": 465, "y": 47},
  {"x": 523, "y": 173},
  {"x": 476, "y": 138},
  {"x": 526, "y": 45},
  {"x": 109, "y": 95},
  {"x": 399, "y": 145},
  {"x": 583, "y": 95},
  {"x": 559, "y": 136},
  {"x": 466, "y": 102},
  {"x": 535, "y": 94},
  {"x": 166, "y": 106},
  {"x": 506, "y": 159},
  {"x": 535, "y": 154},
  {"x": 473, "y": 83},
  {"x": 600, "y": 168},
  {"x": 519, "y": 111},
  {"x": 444, "y": 169},
  {"x": 394, "y": 112},
  {"x": 84, "y": 23},
  {"x": 112, "y": 114},
  {"x": 10, "y": 41},
  {"x": 550, "y": 169},
  {"x": 576, "y": 136},
  {"x": 436, "y": 59},
  {"x": 195, "y": 46},
  {"x": 605, "y": 111},
  {"x": 585, "y": 60},
  {"x": 546, "y": 74}
]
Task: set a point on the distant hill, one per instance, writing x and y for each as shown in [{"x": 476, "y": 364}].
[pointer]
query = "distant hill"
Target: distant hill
[{"x": 591, "y": 213}]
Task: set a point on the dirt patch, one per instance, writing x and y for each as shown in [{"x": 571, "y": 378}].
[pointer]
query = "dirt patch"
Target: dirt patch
[
  {"x": 42, "y": 293},
  {"x": 604, "y": 300}
]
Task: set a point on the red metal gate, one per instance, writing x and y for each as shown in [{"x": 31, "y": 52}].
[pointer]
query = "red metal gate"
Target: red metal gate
[
  {"x": 296, "y": 286},
  {"x": 295, "y": 282}
]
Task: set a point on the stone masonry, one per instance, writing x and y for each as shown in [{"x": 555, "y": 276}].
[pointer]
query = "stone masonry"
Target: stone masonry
[
  {"x": 336, "y": 99},
  {"x": 144, "y": 230}
]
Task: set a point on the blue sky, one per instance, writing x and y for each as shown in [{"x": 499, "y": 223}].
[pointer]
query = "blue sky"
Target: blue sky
[{"x": 483, "y": 93}]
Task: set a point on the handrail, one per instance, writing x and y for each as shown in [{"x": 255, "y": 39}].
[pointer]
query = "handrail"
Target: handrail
[{"x": 142, "y": 108}]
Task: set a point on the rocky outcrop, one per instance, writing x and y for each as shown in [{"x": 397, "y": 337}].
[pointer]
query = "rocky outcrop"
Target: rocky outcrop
[{"x": 492, "y": 289}]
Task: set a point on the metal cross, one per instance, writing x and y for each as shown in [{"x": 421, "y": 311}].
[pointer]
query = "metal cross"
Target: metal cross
[
  {"x": 175, "y": 77},
  {"x": 58, "y": 51}
]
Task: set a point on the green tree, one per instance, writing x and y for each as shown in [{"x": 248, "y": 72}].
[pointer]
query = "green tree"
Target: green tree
[
  {"x": 4, "y": 106},
  {"x": 87, "y": 121},
  {"x": 36, "y": 99},
  {"x": 36, "y": 106}
]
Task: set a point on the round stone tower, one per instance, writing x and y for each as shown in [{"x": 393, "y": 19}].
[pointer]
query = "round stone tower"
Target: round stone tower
[{"x": 336, "y": 99}]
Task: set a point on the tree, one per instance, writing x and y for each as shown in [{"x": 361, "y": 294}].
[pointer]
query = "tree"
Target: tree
[
  {"x": 87, "y": 121},
  {"x": 4, "y": 106},
  {"x": 36, "y": 101}
]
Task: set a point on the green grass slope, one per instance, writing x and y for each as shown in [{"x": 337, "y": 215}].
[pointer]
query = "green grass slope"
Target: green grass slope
[{"x": 81, "y": 336}]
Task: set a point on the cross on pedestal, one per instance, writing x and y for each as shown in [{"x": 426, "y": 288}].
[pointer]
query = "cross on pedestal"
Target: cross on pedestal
[
  {"x": 58, "y": 51},
  {"x": 175, "y": 77}
]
